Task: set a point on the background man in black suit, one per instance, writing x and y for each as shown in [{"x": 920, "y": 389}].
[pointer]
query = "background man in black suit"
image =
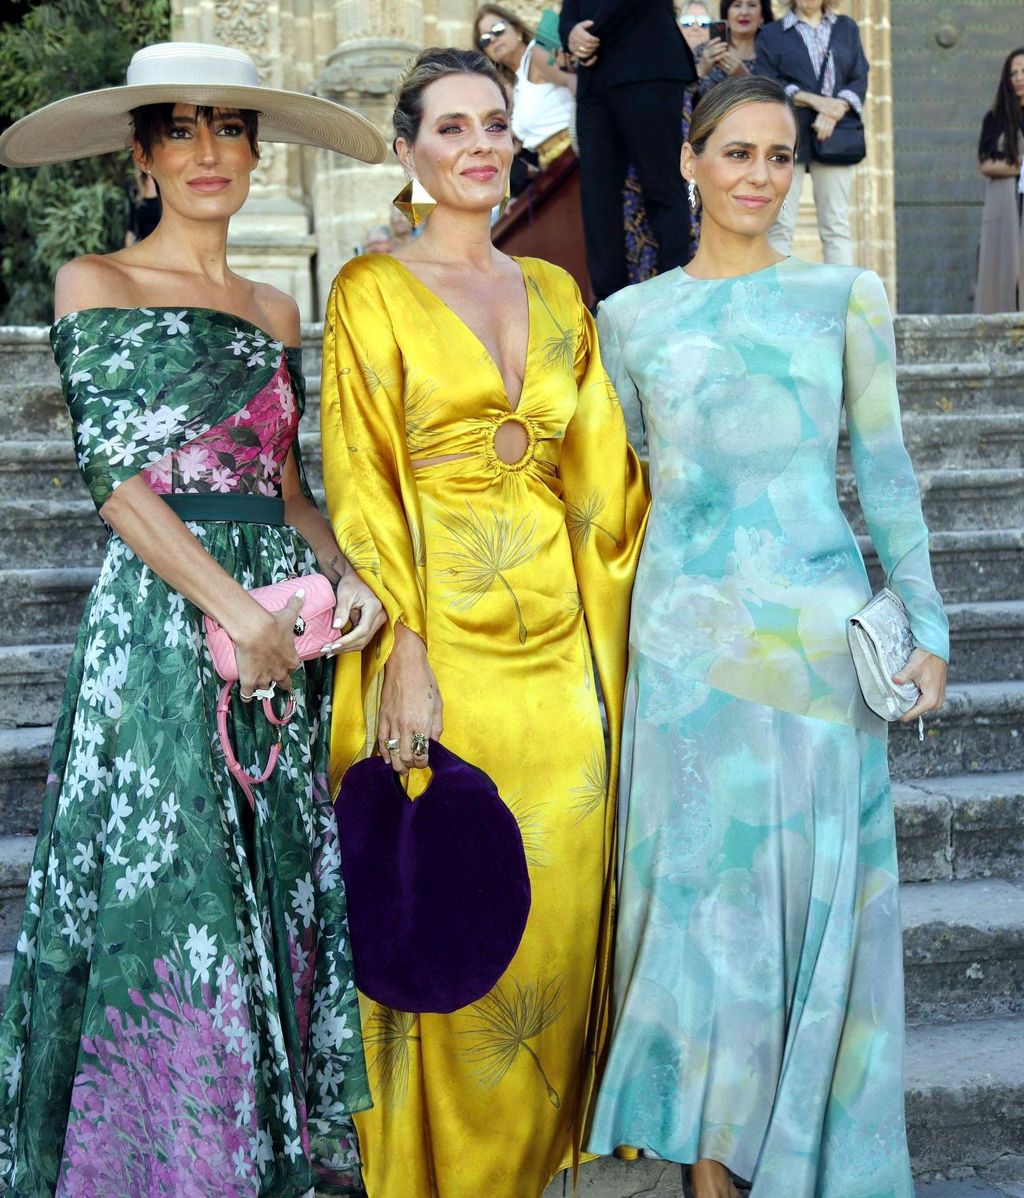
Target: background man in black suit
[{"x": 634, "y": 67}]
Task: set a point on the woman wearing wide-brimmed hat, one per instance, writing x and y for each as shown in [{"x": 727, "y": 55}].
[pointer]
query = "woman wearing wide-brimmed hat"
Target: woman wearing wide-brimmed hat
[{"x": 181, "y": 1017}]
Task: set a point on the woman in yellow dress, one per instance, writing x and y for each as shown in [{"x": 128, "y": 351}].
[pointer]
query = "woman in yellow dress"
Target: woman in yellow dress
[{"x": 469, "y": 425}]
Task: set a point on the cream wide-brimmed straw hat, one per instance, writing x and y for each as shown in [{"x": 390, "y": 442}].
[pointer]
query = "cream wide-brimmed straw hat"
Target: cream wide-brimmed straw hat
[{"x": 99, "y": 122}]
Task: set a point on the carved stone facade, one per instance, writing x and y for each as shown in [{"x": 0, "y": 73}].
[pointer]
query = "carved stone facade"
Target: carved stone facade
[{"x": 309, "y": 210}]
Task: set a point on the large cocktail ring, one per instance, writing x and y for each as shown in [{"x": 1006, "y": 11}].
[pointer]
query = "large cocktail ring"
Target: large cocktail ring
[
  {"x": 420, "y": 744},
  {"x": 393, "y": 744}
]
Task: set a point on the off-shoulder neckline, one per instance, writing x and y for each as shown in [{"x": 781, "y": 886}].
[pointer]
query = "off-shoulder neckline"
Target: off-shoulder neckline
[{"x": 173, "y": 307}]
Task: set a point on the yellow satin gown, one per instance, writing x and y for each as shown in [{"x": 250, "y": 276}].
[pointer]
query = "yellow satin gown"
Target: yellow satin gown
[{"x": 518, "y": 579}]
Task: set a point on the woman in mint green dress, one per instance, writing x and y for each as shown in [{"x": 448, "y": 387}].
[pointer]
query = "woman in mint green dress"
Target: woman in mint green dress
[
  {"x": 758, "y": 1006},
  {"x": 182, "y": 1018}
]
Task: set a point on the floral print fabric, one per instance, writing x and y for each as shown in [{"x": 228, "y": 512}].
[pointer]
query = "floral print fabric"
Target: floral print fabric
[
  {"x": 181, "y": 1018},
  {"x": 758, "y": 1012}
]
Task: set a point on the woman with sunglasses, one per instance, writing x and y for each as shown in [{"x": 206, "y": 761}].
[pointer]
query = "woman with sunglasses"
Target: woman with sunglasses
[{"x": 542, "y": 92}]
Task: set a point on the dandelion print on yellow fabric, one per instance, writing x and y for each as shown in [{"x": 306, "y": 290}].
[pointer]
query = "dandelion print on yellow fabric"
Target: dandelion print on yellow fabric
[{"x": 516, "y": 576}]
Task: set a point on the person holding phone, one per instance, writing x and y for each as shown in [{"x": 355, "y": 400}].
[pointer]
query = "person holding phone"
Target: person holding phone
[{"x": 729, "y": 51}]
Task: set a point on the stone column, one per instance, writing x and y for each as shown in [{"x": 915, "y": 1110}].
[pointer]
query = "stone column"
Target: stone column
[{"x": 361, "y": 48}]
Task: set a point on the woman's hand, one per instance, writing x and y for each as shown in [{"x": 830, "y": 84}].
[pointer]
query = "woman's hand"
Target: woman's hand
[
  {"x": 410, "y": 703},
  {"x": 823, "y": 126},
  {"x": 358, "y": 606},
  {"x": 714, "y": 50},
  {"x": 265, "y": 650},
  {"x": 928, "y": 673},
  {"x": 833, "y": 107}
]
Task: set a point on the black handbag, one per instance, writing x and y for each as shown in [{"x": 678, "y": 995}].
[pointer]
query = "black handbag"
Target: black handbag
[{"x": 846, "y": 146}]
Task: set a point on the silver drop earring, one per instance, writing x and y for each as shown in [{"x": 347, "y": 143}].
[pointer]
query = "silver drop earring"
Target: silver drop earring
[
  {"x": 785, "y": 205},
  {"x": 691, "y": 191}
]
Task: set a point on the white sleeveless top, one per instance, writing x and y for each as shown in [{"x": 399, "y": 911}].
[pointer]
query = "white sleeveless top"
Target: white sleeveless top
[{"x": 539, "y": 110}]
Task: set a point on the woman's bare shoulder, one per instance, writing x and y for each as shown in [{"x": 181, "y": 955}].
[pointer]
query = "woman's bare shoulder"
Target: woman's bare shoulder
[
  {"x": 92, "y": 281},
  {"x": 280, "y": 313}
]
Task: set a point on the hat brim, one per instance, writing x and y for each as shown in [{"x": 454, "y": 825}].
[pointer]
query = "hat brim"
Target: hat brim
[{"x": 99, "y": 122}]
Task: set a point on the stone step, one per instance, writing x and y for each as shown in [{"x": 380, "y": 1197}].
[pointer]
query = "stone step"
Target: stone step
[
  {"x": 34, "y": 409},
  {"x": 965, "y": 1094},
  {"x": 24, "y": 757},
  {"x": 43, "y": 606},
  {"x": 960, "y": 338},
  {"x": 980, "y": 729},
  {"x": 955, "y": 500},
  {"x": 15, "y": 863},
  {"x": 987, "y": 640},
  {"x": 956, "y": 440},
  {"x": 992, "y": 385},
  {"x": 6, "y": 964},
  {"x": 31, "y": 683},
  {"x": 40, "y": 469},
  {"x": 610, "y": 1178},
  {"x": 964, "y": 826},
  {"x": 39, "y": 532},
  {"x": 963, "y": 949},
  {"x": 969, "y": 565}
]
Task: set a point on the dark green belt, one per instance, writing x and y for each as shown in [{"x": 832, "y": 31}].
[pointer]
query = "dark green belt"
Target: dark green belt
[{"x": 248, "y": 509}]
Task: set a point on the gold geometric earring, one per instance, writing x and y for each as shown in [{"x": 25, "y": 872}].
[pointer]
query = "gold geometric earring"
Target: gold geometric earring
[
  {"x": 415, "y": 203},
  {"x": 505, "y": 202}
]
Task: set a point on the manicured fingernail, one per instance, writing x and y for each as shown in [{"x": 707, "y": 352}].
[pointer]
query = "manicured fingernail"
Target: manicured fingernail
[
  {"x": 300, "y": 594},
  {"x": 337, "y": 623}
]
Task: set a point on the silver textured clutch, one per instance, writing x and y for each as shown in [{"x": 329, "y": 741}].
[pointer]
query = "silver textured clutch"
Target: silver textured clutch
[{"x": 881, "y": 644}]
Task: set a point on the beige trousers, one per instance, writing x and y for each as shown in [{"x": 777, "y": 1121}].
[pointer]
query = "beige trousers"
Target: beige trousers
[{"x": 832, "y": 204}]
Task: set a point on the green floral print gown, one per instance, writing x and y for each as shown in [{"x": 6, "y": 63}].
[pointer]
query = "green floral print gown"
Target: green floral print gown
[{"x": 182, "y": 1018}]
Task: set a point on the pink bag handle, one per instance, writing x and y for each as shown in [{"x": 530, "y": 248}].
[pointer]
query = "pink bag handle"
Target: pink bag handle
[{"x": 244, "y": 780}]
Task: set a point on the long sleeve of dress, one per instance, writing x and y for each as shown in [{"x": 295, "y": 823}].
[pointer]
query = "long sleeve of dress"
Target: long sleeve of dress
[
  {"x": 610, "y": 341},
  {"x": 889, "y": 494},
  {"x": 371, "y": 495}
]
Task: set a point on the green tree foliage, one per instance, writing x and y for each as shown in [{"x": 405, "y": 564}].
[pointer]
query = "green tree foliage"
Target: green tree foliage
[{"x": 53, "y": 213}]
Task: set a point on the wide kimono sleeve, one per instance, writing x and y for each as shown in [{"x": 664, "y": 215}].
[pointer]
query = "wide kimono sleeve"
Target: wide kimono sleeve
[
  {"x": 889, "y": 494},
  {"x": 606, "y": 505},
  {"x": 371, "y": 495}
]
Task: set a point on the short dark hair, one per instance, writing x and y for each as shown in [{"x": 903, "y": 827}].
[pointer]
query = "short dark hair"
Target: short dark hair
[
  {"x": 426, "y": 68},
  {"x": 153, "y": 122}
]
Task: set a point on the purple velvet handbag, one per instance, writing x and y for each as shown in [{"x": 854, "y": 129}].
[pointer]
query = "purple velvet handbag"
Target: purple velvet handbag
[{"x": 437, "y": 887}]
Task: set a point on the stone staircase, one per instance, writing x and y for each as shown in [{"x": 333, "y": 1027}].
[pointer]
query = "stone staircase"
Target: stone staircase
[{"x": 959, "y": 796}]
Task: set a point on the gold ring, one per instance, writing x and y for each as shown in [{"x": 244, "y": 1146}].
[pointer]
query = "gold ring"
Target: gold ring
[
  {"x": 393, "y": 744},
  {"x": 420, "y": 744}
]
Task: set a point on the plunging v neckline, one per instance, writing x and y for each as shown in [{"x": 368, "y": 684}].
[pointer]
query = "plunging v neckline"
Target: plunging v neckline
[{"x": 488, "y": 356}]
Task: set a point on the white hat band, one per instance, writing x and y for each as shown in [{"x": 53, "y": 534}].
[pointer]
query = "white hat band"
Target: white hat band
[{"x": 184, "y": 63}]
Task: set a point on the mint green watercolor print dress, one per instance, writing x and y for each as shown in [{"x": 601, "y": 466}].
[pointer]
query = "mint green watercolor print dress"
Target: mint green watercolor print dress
[
  {"x": 758, "y": 1005},
  {"x": 182, "y": 1018}
]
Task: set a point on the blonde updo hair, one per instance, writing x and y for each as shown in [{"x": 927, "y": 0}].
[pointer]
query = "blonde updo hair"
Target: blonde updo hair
[
  {"x": 426, "y": 68},
  {"x": 727, "y": 96}
]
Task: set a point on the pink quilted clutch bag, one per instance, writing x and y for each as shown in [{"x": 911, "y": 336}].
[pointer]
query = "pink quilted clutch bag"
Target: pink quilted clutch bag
[{"x": 312, "y": 629}]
